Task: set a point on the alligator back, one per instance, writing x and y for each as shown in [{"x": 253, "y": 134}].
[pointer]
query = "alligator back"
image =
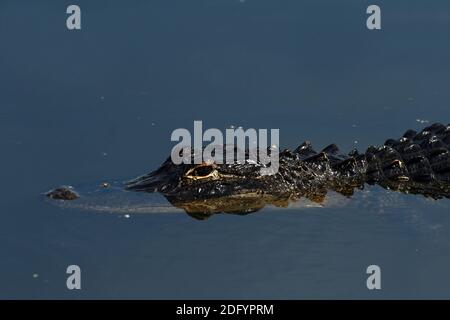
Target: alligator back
[{"x": 417, "y": 163}]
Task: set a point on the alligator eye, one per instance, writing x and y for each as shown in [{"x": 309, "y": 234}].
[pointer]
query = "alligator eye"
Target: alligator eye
[{"x": 200, "y": 172}]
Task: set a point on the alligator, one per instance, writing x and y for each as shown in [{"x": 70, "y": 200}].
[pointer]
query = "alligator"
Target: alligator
[{"x": 417, "y": 163}]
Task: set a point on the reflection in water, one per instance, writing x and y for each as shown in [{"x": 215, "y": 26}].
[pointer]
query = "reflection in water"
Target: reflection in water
[{"x": 114, "y": 199}]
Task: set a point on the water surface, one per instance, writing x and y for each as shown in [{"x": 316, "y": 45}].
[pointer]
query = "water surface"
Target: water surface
[{"x": 80, "y": 107}]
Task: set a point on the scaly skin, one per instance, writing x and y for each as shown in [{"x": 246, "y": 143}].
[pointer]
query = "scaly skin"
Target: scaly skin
[{"x": 417, "y": 163}]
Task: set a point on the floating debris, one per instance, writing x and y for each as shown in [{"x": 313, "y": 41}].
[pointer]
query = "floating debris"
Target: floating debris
[
  {"x": 104, "y": 185},
  {"x": 422, "y": 121}
]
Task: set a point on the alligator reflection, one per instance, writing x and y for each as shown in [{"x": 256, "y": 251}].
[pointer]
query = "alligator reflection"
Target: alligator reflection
[{"x": 242, "y": 205}]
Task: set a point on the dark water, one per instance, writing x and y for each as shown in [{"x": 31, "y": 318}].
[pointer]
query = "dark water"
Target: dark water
[{"x": 79, "y": 107}]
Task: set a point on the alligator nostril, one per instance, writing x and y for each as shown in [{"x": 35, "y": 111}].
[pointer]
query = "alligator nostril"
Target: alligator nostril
[{"x": 63, "y": 193}]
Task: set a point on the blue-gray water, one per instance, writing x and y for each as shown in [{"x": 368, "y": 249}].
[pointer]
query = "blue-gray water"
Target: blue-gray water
[{"x": 79, "y": 107}]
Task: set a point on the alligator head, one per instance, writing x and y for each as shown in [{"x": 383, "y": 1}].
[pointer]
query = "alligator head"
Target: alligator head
[
  {"x": 212, "y": 187},
  {"x": 237, "y": 187}
]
